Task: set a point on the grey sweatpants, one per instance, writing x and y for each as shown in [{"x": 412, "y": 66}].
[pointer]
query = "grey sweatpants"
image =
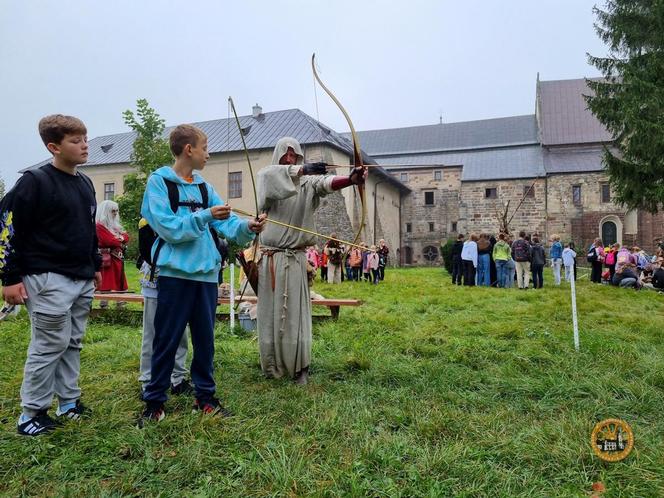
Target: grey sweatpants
[
  {"x": 179, "y": 369},
  {"x": 58, "y": 307}
]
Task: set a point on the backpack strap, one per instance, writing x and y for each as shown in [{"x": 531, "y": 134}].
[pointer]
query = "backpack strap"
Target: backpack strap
[
  {"x": 204, "y": 195},
  {"x": 42, "y": 179},
  {"x": 174, "y": 197},
  {"x": 173, "y": 194},
  {"x": 174, "y": 200},
  {"x": 88, "y": 182},
  {"x": 206, "y": 204}
]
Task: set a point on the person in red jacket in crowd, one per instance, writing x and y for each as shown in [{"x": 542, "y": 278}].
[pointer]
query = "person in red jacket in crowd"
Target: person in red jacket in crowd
[
  {"x": 322, "y": 264},
  {"x": 113, "y": 240}
]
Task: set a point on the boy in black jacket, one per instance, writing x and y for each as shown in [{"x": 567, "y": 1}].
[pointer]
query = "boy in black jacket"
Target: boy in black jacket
[
  {"x": 52, "y": 266},
  {"x": 457, "y": 263}
]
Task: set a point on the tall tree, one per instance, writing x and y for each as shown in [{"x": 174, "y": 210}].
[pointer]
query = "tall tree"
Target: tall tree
[
  {"x": 150, "y": 152},
  {"x": 629, "y": 101}
]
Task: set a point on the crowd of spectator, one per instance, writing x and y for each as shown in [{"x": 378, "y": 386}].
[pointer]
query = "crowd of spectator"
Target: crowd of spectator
[
  {"x": 504, "y": 262},
  {"x": 338, "y": 263}
]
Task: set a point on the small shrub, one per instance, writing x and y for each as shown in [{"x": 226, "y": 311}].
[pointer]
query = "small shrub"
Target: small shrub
[{"x": 446, "y": 253}]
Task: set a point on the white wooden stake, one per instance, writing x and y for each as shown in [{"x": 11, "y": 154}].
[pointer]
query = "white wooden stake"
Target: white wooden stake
[
  {"x": 575, "y": 323},
  {"x": 232, "y": 266}
]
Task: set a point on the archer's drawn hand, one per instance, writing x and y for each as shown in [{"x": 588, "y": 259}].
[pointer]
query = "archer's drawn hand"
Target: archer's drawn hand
[
  {"x": 257, "y": 225},
  {"x": 14, "y": 294},
  {"x": 319, "y": 168},
  {"x": 358, "y": 175},
  {"x": 220, "y": 212}
]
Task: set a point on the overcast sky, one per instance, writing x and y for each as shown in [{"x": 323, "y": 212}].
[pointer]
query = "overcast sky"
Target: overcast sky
[{"x": 391, "y": 63}]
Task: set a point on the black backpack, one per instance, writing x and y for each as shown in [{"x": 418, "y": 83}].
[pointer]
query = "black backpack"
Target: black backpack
[
  {"x": 592, "y": 255},
  {"x": 45, "y": 186},
  {"x": 521, "y": 250},
  {"x": 147, "y": 236}
]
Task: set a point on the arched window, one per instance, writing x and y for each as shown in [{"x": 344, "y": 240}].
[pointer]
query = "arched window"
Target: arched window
[{"x": 609, "y": 233}]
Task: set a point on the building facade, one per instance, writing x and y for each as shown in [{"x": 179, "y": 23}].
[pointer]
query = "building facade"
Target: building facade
[{"x": 543, "y": 170}]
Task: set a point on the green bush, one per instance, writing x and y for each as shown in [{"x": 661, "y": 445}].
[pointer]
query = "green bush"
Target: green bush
[
  {"x": 131, "y": 253},
  {"x": 446, "y": 253}
]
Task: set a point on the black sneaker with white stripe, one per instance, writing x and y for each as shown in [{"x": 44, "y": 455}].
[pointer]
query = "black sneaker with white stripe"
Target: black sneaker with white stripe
[
  {"x": 39, "y": 424},
  {"x": 8, "y": 310}
]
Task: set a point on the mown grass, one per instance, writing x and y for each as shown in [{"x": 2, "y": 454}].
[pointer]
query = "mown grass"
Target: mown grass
[{"x": 425, "y": 390}]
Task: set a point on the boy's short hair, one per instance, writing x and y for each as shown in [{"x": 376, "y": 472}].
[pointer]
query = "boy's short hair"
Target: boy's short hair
[
  {"x": 522, "y": 234},
  {"x": 53, "y": 128},
  {"x": 460, "y": 236},
  {"x": 185, "y": 134}
]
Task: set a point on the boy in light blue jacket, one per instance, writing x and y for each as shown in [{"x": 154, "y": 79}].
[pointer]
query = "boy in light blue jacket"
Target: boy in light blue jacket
[{"x": 188, "y": 261}]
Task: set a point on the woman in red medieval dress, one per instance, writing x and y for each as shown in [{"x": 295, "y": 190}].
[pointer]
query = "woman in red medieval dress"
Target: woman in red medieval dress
[{"x": 112, "y": 243}]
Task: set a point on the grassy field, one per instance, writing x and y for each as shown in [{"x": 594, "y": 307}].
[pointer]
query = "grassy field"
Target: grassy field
[{"x": 425, "y": 390}]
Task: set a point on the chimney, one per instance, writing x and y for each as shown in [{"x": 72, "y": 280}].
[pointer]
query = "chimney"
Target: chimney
[{"x": 256, "y": 111}]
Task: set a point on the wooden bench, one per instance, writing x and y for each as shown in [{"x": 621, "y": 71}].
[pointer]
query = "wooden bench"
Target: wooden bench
[{"x": 333, "y": 304}]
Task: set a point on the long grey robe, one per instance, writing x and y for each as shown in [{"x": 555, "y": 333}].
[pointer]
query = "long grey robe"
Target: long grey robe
[{"x": 284, "y": 315}]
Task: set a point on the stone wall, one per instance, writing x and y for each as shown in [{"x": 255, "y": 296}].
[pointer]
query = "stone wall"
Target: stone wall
[
  {"x": 414, "y": 212},
  {"x": 386, "y": 213},
  {"x": 332, "y": 217},
  {"x": 477, "y": 213},
  {"x": 581, "y": 222},
  {"x": 651, "y": 229}
]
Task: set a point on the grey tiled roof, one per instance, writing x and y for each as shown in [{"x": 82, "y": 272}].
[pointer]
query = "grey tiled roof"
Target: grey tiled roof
[
  {"x": 515, "y": 130},
  {"x": 488, "y": 164},
  {"x": 223, "y": 136},
  {"x": 573, "y": 160},
  {"x": 564, "y": 117}
]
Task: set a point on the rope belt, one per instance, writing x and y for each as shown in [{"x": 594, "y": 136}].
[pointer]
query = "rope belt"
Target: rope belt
[{"x": 290, "y": 253}]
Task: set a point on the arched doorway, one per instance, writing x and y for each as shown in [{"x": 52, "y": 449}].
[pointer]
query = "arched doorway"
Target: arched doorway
[
  {"x": 609, "y": 233},
  {"x": 611, "y": 230}
]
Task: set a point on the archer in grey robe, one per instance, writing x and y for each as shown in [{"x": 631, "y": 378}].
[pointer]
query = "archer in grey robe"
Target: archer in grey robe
[{"x": 284, "y": 302}]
